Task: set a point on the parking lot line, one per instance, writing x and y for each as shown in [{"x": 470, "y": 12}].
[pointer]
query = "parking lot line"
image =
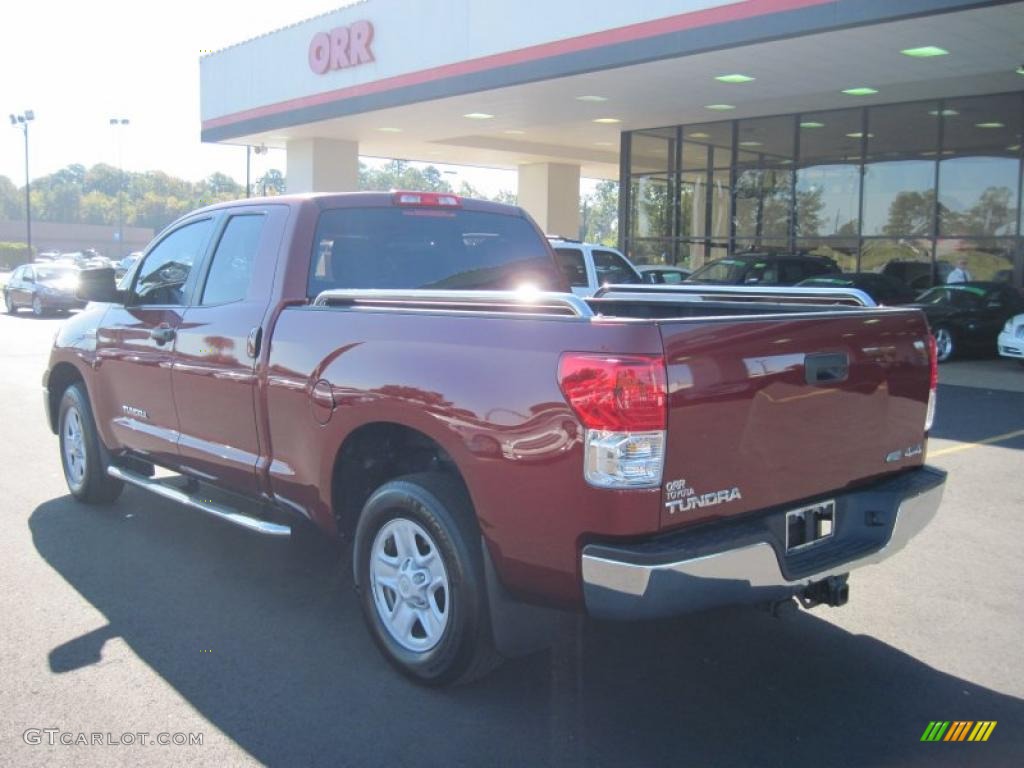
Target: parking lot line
[{"x": 977, "y": 443}]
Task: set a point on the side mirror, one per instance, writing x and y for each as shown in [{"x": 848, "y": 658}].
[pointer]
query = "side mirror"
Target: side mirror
[{"x": 98, "y": 285}]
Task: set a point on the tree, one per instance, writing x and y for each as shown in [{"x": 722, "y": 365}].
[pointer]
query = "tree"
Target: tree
[
  {"x": 272, "y": 183},
  {"x": 910, "y": 213},
  {"x": 12, "y": 200},
  {"x": 599, "y": 214}
]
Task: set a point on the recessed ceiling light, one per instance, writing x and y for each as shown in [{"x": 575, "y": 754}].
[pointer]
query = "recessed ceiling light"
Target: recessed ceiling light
[
  {"x": 478, "y": 116},
  {"x": 859, "y": 91},
  {"x": 607, "y": 120},
  {"x": 1020, "y": 70},
  {"x": 514, "y": 132},
  {"x": 591, "y": 98},
  {"x": 736, "y": 78},
  {"x": 389, "y": 129},
  {"x": 859, "y": 135},
  {"x": 1014, "y": 148},
  {"x": 812, "y": 124},
  {"x": 720, "y": 107},
  {"x": 989, "y": 125},
  {"x": 697, "y": 135},
  {"x": 924, "y": 52},
  {"x": 750, "y": 144},
  {"x": 943, "y": 112}
]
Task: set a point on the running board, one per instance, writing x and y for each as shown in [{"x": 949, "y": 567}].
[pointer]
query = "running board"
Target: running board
[{"x": 226, "y": 514}]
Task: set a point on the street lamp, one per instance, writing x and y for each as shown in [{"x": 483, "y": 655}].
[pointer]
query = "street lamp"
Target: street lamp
[
  {"x": 260, "y": 150},
  {"x": 116, "y": 121},
  {"x": 22, "y": 121}
]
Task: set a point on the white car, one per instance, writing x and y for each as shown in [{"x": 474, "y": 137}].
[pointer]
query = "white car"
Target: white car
[
  {"x": 1011, "y": 339},
  {"x": 589, "y": 266}
]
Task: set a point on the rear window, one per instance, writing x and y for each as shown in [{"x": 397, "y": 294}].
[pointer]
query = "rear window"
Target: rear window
[
  {"x": 721, "y": 271},
  {"x": 429, "y": 248}
]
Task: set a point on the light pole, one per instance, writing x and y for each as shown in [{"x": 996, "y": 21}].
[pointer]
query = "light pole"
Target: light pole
[
  {"x": 22, "y": 121},
  {"x": 115, "y": 121},
  {"x": 260, "y": 150}
]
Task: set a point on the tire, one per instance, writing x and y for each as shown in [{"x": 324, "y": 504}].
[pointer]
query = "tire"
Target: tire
[
  {"x": 945, "y": 345},
  {"x": 421, "y": 529},
  {"x": 37, "y": 307},
  {"x": 81, "y": 455},
  {"x": 9, "y": 305}
]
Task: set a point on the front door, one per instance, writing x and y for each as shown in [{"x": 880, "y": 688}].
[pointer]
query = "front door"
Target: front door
[{"x": 135, "y": 347}]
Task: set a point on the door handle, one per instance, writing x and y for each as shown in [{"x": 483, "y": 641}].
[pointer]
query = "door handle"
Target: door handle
[
  {"x": 252, "y": 343},
  {"x": 162, "y": 334}
]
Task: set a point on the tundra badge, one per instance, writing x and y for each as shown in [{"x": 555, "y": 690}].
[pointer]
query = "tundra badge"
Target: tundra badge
[{"x": 682, "y": 498}]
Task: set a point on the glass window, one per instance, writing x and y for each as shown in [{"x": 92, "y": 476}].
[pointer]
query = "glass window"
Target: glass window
[
  {"x": 980, "y": 165},
  {"x": 765, "y": 142},
  {"x": 612, "y": 269},
  {"x": 652, "y": 151},
  {"x": 652, "y": 207},
  {"x": 763, "y": 203},
  {"x": 842, "y": 252},
  {"x": 964, "y": 260},
  {"x": 907, "y": 260},
  {"x": 650, "y": 251},
  {"x": 570, "y": 260},
  {"x": 827, "y": 200},
  {"x": 232, "y": 267},
  {"x": 707, "y": 144},
  {"x": 162, "y": 276},
  {"x": 395, "y": 247},
  {"x": 827, "y": 138}
]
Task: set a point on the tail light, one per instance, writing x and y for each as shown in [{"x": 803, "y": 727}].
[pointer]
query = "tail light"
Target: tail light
[
  {"x": 622, "y": 403},
  {"x": 933, "y": 382}
]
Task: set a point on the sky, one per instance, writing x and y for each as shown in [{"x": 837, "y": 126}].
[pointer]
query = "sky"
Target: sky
[{"x": 78, "y": 64}]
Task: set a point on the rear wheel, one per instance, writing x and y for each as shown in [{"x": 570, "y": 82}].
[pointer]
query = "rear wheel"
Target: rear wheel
[
  {"x": 944, "y": 344},
  {"x": 37, "y": 307},
  {"x": 419, "y": 571},
  {"x": 80, "y": 452}
]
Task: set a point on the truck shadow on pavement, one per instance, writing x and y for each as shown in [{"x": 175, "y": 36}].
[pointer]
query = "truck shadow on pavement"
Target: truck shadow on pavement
[{"x": 266, "y": 641}]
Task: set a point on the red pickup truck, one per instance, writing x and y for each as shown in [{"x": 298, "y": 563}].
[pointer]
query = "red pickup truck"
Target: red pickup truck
[{"x": 409, "y": 372}]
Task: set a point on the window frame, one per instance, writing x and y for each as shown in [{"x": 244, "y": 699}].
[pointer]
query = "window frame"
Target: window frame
[
  {"x": 587, "y": 273},
  {"x": 638, "y": 278},
  {"x": 206, "y": 266}
]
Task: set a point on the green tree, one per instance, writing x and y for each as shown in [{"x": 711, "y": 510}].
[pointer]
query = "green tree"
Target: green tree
[
  {"x": 12, "y": 200},
  {"x": 911, "y": 213}
]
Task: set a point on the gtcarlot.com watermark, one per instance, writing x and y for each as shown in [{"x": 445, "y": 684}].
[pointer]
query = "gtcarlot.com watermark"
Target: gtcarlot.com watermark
[{"x": 58, "y": 737}]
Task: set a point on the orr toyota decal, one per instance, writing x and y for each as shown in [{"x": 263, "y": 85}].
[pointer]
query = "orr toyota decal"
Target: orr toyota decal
[{"x": 679, "y": 497}]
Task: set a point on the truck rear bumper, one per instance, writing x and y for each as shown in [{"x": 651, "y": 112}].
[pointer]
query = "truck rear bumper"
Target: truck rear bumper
[{"x": 746, "y": 561}]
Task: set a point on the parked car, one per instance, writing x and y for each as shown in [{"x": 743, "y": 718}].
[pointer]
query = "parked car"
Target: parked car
[
  {"x": 661, "y": 274},
  {"x": 918, "y": 275},
  {"x": 763, "y": 269},
  {"x": 588, "y": 266},
  {"x": 968, "y": 316},
  {"x": 47, "y": 256},
  {"x": 497, "y": 451},
  {"x": 43, "y": 288},
  {"x": 883, "y": 289},
  {"x": 1011, "y": 339}
]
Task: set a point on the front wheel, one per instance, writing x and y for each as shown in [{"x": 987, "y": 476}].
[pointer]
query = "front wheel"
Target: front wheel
[
  {"x": 9, "y": 304},
  {"x": 80, "y": 451},
  {"x": 419, "y": 571},
  {"x": 944, "y": 344},
  {"x": 37, "y": 307}
]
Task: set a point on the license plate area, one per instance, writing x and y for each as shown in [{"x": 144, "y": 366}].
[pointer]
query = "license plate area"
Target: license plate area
[{"x": 810, "y": 525}]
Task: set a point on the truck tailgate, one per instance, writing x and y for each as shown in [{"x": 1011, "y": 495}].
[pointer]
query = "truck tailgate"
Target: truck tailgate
[{"x": 768, "y": 411}]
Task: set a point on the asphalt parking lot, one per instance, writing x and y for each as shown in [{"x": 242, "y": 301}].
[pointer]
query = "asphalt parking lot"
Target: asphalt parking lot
[{"x": 148, "y": 618}]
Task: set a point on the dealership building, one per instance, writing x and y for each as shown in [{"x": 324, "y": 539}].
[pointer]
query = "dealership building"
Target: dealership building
[{"x": 871, "y": 131}]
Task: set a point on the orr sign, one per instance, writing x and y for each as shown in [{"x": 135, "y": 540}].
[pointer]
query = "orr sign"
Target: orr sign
[{"x": 341, "y": 48}]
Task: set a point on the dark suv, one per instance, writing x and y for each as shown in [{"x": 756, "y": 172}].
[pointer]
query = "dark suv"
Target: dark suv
[{"x": 763, "y": 269}]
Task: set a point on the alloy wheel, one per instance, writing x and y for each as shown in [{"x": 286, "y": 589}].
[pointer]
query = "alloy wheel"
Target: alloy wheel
[{"x": 74, "y": 447}]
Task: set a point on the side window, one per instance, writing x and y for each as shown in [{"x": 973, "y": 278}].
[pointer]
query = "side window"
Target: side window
[
  {"x": 28, "y": 276},
  {"x": 16, "y": 274},
  {"x": 792, "y": 272},
  {"x": 161, "y": 278},
  {"x": 612, "y": 268},
  {"x": 232, "y": 267},
  {"x": 570, "y": 261}
]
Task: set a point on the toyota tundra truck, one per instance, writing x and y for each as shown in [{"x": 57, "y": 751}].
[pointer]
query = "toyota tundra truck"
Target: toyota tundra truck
[{"x": 410, "y": 373}]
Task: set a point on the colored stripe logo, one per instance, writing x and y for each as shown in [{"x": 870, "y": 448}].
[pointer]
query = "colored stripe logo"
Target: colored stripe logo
[{"x": 958, "y": 730}]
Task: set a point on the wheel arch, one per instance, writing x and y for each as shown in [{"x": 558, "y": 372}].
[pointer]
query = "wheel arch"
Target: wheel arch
[{"x": 60, "y": 377}]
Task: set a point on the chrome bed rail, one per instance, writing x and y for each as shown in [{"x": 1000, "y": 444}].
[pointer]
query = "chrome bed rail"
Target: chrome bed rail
[
  {"x": 763, "y": 294},
  {"x": 517, "y": 302}
]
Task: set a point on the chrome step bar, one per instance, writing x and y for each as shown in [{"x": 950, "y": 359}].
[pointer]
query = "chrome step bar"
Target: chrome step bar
[
  {"x": 227, "y": 514},
  {"x": 518, "y": 302}
]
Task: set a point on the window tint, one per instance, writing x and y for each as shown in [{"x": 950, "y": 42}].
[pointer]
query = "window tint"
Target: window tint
[
  {"x": 612, "y": 269},
  {"x": 429, "y": 248},
  {"x": 161, "y": 278},
  {"x": 29, "y": 276},
  {"x": 792, "y": 272},
  {"x": 231, "y": 270},
  {"x": 570, "y": 260}
]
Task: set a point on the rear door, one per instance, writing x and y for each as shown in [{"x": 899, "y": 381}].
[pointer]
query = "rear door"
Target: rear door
[
  {"x": 611, "y": 269},
  {"x": 135, "y": 346},
  {"x": 218, "y": 343},
  {"x": 769, "y": 411},
  {"x": 574, "y": 267}
]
